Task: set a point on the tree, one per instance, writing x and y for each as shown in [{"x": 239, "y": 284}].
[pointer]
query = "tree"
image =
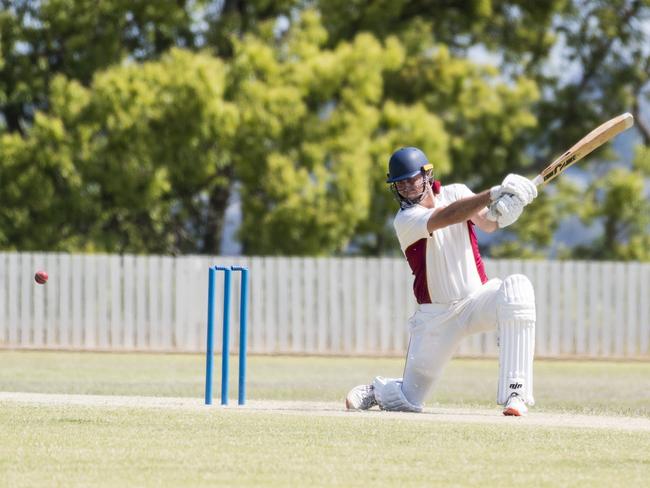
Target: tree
[
  {"x": 138, "y": 162},
  {"x": 298, "y": 105},
  {"x": 308, "y": 116},
  {"x": 319, "y": 124},
  {"x": 229, "y": 21},
  {"x": 484, "y": 121},
  {"x": 41, "y": 189},
  {"x": 76, "y": 38},
  {"x": 589, "y": 60},
  {"x": 620, "y": 201}
]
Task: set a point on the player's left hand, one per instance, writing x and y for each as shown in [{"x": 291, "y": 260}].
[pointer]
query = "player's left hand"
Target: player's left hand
[{"x": 506, "y": 210}]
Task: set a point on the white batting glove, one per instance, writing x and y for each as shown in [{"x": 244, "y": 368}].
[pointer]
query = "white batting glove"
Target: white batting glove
[
  {"x": 495, "y": 193},
  {"x": 519, "y": 186},
  {"x": 506, "y": 210}
]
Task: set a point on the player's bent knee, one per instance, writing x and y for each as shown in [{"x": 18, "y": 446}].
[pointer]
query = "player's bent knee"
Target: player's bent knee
[
  {"x": 517, "y": 299},
  {"x": 389, "y": 395}
]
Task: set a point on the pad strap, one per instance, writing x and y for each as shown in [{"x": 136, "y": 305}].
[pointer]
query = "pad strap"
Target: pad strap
[{"x": 389, "y": 395}]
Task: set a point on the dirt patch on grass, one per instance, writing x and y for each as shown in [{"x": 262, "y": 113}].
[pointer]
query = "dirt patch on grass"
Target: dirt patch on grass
[{"x": 453, "y": 415}]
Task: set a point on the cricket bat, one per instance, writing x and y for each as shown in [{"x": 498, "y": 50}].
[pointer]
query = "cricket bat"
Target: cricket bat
[{"x": 596, "y": 138}]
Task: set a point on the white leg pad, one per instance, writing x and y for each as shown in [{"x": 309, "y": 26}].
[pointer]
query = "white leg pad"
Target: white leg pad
[
  {"x": 389, "y": 395},
  {"x": 516, "y": 323}
]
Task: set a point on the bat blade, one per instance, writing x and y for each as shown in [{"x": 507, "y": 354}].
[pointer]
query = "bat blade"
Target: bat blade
[{"x": 596, "y": 138}]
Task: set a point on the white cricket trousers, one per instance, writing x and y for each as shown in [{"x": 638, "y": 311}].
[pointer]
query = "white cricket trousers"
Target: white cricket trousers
[{"x": 436, "y": 330}]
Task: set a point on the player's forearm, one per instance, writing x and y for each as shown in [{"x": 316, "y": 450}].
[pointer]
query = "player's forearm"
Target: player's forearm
[
  {"x": 483, "y": 223},
  {"x": 459, "y": 211}
]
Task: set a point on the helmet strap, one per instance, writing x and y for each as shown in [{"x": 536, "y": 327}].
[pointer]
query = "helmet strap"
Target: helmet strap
[{"x": 427, "y": 180}]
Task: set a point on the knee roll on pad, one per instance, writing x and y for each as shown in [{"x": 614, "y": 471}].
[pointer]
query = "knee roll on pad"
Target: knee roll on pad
[
  {"x": 516, "y": 322},
  {"x": 517, "y": 299},
  {"x": 389, "y": 395}
]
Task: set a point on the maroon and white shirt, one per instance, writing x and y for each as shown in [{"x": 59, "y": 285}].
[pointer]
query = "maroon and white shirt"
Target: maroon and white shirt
[{"x": 446, "y": 264}]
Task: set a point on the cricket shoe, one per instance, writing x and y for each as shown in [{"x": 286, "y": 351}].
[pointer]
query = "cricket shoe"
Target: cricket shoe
[
  {"x": 515, "y": 406},
  {"x": 361, "y": 397}
]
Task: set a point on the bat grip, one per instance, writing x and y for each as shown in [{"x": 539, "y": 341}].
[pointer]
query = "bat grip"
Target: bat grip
[{"x": 538, "y": 180}]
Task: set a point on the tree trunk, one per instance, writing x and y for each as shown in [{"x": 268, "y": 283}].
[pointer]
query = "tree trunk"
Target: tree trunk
[{"x": 215, "y": 220}]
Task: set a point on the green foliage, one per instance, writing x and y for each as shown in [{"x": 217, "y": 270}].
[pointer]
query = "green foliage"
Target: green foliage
[
  {"x": 398, "y": 124},
  {"x": 139, "y": 162},
  {"x": 534, "y": 230},
  {"x": 230, "y": 20},
  {"x": 642, "y": 159},
  {"x": 77, "y": 38},
  {"x": 112, "y": 138},
  {"x": 605, "y": 72},
  {"x": 620, "y": 201},
  {"x": 532, "y": 235},
  {"x": 162, "y": 153},
  {"x": 308, "y": 115},
  {"x": 607, "y": 51},
  {"x": 41, "y": 189},
  {"x": 520, "y": 28}
]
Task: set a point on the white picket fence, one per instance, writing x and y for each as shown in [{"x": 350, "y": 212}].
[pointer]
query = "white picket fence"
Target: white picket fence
[{"x": 300, "y": 305}]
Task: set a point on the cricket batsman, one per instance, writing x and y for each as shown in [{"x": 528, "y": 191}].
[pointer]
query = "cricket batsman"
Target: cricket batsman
[{"x": 435, "y": 228}]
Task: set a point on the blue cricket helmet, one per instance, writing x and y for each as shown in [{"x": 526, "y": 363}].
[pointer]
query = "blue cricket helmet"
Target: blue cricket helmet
[{"x": 406, "y": 163}]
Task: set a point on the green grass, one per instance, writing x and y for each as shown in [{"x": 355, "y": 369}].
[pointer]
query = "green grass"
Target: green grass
[
  {"x": 83, "y": 446},
  {"x": 124, "y": 446},
  {"x": 560, "y": 386}
]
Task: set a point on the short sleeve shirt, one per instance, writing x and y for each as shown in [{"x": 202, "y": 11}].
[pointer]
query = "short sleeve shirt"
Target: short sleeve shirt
[{"x": 446, "y": 264}]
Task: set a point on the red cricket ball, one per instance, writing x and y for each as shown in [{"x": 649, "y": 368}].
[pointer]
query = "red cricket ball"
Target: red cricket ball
[{"x": 40, "y": 277}]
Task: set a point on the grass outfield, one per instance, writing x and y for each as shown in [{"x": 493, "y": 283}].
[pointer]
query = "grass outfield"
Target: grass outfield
[
  {"x": 78, "y": 445},
  {"x": 100, "y": 446},
  {"x": 592, "y": 387}
]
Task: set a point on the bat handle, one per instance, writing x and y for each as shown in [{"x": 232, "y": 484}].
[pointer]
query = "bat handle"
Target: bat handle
[{"x": 538, "y": 180}]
